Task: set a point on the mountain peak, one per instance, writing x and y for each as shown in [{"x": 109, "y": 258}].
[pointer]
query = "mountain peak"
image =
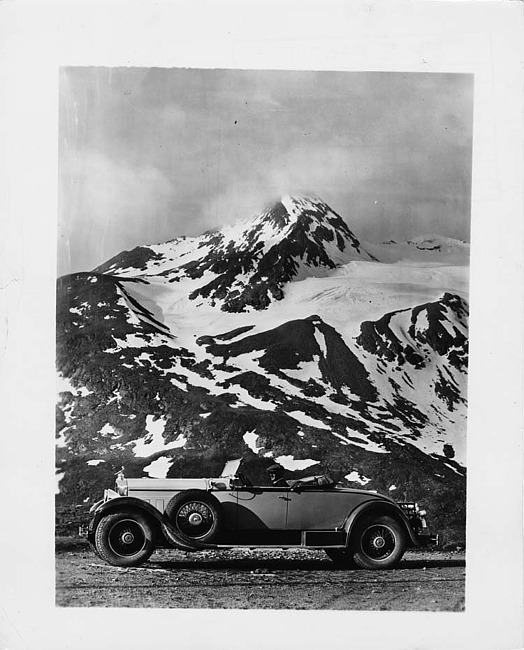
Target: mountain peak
[
  {"x": 288, "y": 210},
  {"x": 295, "y": 204},
  {"x": 247, "y": 265}
]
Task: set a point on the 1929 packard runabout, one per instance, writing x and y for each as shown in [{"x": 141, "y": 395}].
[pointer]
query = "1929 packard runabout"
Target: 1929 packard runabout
[{"x": 355, "y": 527}]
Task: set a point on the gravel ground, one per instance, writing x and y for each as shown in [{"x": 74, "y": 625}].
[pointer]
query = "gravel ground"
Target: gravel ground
[{"x": 262, "y": 579}]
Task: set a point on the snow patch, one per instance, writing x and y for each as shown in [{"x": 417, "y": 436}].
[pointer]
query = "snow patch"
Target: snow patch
[
  {"x": 321, "y": 341},
  {"x": 61, "y": 441},
  {"x": 305, "y": 371},
  {"x": 355, "y": 477},
  {"x": 365, "y": 443},
  {"x": 307, "y": 420},
  {"x": 64, "y": 385},
  {"x": 422, "y": 323},
  {"x": 136, "y": 341},
  {"x": 109, "y": 430},
  {"x": 153, "y": 442},
  {"x": 288, "y": 462},
  {"x": 450, "y": 329},
  {"x": 250, "y": 438},
  {"x": 454, "y": 469},
  {"x": 345, "y": 441},
  {"x": 159, "y": 467}
]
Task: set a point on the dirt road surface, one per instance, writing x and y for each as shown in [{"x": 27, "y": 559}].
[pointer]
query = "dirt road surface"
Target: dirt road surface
[{"x": 244, "y": 579}]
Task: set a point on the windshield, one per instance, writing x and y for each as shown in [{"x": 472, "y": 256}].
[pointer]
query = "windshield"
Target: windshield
[{"x": 231, "y": 467}]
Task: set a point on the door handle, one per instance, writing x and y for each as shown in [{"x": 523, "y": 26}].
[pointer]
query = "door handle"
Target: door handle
[{"x": 284, "y": 498}]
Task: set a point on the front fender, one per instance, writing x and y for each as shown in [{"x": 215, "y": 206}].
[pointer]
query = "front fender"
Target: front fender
[
  {"x": 120, "y": 503},
  {"x": 378, "y": 508},
  {"x": 170, "y": 533},
  {"x": 102, "y": 508}
]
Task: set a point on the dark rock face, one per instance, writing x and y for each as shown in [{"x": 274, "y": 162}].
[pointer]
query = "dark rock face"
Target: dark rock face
[
  {"x": 137, "y": 258},
  {"x": 437, "y": 334},
  {"x": 295, "y": 342}
]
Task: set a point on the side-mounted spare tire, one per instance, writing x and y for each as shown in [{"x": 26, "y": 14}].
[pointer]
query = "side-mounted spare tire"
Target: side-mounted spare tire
[
  {"x": 378, "y": 542},
  {"x": 196, "y": 515},
  {"x": 125, "y": 538}
]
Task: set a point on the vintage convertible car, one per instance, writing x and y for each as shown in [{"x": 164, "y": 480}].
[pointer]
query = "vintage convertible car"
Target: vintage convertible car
[{"x": 355, "y": 527}]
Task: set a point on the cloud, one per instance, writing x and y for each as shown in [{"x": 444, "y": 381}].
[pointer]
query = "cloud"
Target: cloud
[
  {"x": 111, "y": 208},
  {"x": 304, "y": 169},
  {"x": 149, "y": 155}
]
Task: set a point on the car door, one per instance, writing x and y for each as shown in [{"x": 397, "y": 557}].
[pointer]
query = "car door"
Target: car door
[
  {"x": 262, "y": 508},
  {"x": 319, "y": 509}
]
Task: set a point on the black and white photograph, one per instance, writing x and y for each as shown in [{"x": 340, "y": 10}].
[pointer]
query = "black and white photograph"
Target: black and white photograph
[
  {"x": 262, "y": 336},
  {"x": 261, "y": 324}
]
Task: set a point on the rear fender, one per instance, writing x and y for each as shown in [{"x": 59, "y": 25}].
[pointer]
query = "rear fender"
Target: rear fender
[{"x": 378, "y": 508}]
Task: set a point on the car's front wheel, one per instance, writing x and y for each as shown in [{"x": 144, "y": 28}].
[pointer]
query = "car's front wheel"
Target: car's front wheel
[
  {"x": 379, "y": 543},
  {"x": 124, "y": 539}
]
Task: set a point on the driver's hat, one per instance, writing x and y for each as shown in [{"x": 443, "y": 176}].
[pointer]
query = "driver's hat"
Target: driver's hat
[{"x": 275, "y": 469}]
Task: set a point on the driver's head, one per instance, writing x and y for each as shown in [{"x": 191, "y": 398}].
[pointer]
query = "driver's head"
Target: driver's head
[{"x": 275, "y": 472}]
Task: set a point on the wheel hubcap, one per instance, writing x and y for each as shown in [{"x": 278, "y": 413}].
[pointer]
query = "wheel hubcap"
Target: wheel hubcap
[
  {"x": 126, "y": 538},
  {"x": 378, "y": 542},
  {"x": 194, "y": 519}
]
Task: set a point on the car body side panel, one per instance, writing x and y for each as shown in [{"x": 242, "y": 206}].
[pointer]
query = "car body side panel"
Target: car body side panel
[
  {"x": 262, "y": 508},
  {"x": 228, "y": 502},
  {"x": 322, "y": 509}
]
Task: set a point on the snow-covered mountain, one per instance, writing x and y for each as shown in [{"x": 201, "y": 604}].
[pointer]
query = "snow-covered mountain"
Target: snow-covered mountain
[
  {"x": 423, "y": 249},
  {"x": 247, "y": 265},
  {"x": 282, "y": 337}
]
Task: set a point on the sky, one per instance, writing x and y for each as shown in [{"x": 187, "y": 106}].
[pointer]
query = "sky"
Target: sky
[{"x": 148, "y": 154}]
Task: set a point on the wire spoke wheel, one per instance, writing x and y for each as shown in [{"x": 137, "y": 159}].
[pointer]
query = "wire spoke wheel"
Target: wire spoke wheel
[
  {"x": 126, "y": 538},
  {"x": 195, "y": 519},
  {"x": 378, "y": 542}
]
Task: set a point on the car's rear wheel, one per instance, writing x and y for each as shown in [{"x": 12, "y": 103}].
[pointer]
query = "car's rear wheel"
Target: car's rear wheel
[
  {"x": 125, "y": 539},
  {"x": 196, "y": 515},
  {"x": 342, "y": 557},
  {"x": 379, "y": 543}
]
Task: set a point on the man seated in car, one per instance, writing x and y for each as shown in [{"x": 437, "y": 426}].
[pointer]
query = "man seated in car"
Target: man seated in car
[{"x": 276, "y": 476}]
